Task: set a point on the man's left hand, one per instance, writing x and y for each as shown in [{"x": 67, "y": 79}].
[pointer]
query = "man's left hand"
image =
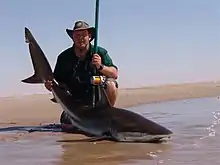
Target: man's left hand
[{"x": 97, "y": 60}]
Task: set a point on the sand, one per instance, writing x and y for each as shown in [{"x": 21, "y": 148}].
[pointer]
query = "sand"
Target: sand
[{"x": 38, "y": 109}]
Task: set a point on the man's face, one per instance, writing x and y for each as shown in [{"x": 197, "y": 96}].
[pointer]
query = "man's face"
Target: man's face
[{"x": 81, "y": 38}]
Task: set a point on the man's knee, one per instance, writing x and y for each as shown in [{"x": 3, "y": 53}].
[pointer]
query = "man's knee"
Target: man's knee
[
  {"x": 111, "y": 84},
  {"x": 111, "y": 90}
]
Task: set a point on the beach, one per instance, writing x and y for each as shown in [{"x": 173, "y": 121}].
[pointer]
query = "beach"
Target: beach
[{"x": 37, "y": 108}]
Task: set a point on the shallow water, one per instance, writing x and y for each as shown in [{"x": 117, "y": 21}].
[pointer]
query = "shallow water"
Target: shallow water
[{"x": 196, "y": 141}]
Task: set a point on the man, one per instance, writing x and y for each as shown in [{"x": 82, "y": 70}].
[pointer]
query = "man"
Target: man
[{"x": 75, "y": 65}]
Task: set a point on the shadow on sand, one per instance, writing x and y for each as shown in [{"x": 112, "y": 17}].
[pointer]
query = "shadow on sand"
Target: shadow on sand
[{"x": 65, "y": 128}]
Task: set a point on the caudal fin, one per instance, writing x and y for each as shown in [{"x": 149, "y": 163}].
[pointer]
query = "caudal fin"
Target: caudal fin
[
  {"x": 34, "y": 79},
  {"x": 28, "y": 36}
]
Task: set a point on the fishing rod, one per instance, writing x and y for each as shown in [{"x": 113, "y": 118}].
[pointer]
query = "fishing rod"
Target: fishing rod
[
  {"x": 96, "y": 26},
  {"x": 95, "y": 45}
]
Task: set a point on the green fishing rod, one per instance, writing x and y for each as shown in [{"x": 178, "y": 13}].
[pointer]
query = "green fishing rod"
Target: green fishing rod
[
  {"x": 95, "y": 45},
  {"x": 96, "y": 26}
]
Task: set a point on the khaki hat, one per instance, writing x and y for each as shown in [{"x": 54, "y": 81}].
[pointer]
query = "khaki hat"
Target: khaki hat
[{"x": 81, "y": 25}]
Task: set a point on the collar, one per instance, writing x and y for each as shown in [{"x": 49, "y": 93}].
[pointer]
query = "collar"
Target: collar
[{"x": 88, "y": 54}]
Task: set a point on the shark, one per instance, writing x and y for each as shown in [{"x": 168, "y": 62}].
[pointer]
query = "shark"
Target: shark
[{"x": 102, "y": 121}]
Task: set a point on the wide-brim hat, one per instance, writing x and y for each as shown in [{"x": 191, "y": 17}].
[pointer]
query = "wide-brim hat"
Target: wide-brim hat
[{"x": 81, "y": 25}]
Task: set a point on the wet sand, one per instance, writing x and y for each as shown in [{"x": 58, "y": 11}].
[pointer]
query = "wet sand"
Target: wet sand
[{"x": 38, "y": 109}]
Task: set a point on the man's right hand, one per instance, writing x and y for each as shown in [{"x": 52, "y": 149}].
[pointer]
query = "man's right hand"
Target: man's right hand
[{"x": 48, "y": 84}]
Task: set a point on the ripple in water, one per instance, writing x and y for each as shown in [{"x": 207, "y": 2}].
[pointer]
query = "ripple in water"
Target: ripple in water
[{"x": 213, "y": 128}]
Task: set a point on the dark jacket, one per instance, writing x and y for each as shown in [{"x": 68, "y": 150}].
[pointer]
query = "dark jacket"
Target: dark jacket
[{"x": 75, "y": 74}]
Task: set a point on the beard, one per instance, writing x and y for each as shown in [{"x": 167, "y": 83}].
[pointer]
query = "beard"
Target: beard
[{"x": 82, "y": 45}]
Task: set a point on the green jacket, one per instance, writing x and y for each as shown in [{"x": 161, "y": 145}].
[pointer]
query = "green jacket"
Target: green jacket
[{"x": 75, "y": 74}]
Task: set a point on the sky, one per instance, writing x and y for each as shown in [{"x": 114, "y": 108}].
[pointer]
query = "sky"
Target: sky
[{"x": 151, "y": 42}]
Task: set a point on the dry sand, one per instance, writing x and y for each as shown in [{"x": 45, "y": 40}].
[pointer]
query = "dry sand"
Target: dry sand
[{"x": 37, "y": 109}]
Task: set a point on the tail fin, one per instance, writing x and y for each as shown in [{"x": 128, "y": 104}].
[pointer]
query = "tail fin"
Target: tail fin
[
  {"x": 32, "y": 80},
  {"x": 28, "y": 36},
  {"x": 35, "y": 78}
]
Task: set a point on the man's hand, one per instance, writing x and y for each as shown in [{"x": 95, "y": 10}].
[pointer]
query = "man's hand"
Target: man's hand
[
  {"x": 48, "y": 84},
  {"x": 97, "y": 61},
  {"x": 107, "y": 71}
]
